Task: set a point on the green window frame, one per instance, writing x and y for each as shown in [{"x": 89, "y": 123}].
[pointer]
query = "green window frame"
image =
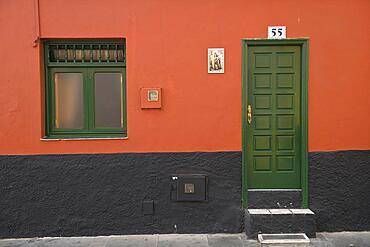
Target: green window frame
[{"x": 89, "y": 59}]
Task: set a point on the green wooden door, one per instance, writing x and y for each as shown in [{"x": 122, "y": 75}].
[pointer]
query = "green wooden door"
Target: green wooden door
[{"x": 274, "y": 130}]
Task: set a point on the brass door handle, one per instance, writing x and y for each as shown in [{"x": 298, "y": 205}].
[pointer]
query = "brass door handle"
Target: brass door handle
[{"x": 249, "y": 114}]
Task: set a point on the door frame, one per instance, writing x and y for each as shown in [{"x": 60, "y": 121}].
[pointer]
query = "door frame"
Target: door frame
[{"x": 303, "y": 44}]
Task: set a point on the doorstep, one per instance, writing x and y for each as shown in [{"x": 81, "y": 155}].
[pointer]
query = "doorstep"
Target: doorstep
[{"x": 274, "y": 221}]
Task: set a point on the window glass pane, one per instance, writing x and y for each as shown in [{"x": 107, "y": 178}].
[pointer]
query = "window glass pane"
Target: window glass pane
[
  {"x": 68, "y": 100},
  {"x": 108, "y": 100}
]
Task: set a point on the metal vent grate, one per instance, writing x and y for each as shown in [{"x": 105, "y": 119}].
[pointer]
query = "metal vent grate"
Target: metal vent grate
[{"x": 86, "y": 53}]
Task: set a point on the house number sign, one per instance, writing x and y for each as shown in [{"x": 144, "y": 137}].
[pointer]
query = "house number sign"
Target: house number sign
[{"x": 276, "y": 32}]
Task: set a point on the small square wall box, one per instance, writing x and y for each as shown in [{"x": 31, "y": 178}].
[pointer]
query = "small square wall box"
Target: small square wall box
[
  {"x": 151, "y": 98},
  {"x": 191, "y": 187}
]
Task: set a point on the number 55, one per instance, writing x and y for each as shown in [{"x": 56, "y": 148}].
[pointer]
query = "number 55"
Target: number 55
[
  {"x": 280, "y": 31},
  {"x": 273, "y": 30}
]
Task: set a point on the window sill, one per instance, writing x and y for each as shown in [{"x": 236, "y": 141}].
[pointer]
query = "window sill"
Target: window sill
[{"x": 83, "y": 139}]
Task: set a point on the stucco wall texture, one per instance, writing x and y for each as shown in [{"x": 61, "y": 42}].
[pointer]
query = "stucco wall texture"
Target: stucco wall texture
[{"x": 167, "y": 44}]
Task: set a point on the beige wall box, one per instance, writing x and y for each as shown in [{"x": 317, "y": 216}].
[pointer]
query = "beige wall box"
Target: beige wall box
[{"x": 151, "y": 98}]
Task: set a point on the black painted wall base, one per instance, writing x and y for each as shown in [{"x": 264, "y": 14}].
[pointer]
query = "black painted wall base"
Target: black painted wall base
[
  {"x": 339, "y": 190},
  {"x": 103, "y": 194}
]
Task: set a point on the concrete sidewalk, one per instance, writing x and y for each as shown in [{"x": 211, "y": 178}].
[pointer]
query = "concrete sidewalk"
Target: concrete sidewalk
[{"x": 340, "y": 239}]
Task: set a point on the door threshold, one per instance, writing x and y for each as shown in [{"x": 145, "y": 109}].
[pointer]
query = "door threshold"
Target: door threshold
[{"x": 260, "y": 190}]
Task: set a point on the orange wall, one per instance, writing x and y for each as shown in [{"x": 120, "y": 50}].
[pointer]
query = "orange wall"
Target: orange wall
[{"x": 167, "y": 42}]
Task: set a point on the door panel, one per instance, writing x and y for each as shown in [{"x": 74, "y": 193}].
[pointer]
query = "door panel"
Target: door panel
[{"x": 273, "y": 136}]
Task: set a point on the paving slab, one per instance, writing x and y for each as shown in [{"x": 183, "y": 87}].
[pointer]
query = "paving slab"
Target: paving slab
[
  {"x": 13, "y": 243},
  {"x": 222, "y": 240},
  {"x": 182, "y": 240},
  {"x": 348, "y": 239},
  {"x": 338, "y": 239},
  {"x": 251, "y": 243},
  {"x": 319, "y": 243},
  {"x": 133, "y": 241},
  {"x": 68, "y": 241}
]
